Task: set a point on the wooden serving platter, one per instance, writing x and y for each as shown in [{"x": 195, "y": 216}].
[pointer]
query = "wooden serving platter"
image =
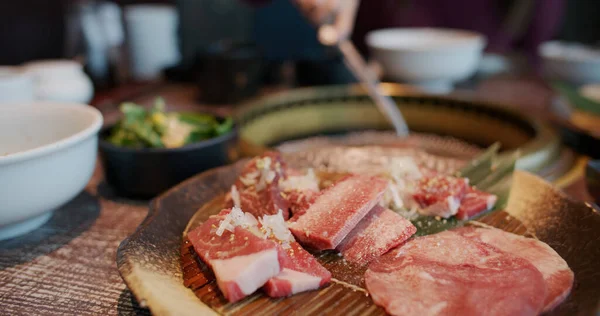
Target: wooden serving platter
[{"x": 150, "y": 260}]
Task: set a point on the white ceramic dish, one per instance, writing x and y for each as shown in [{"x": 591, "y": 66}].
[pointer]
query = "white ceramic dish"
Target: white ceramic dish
[
  {"x": 60, "y": 80},
  {"x": 47, "y": 156},
  {"x": 15, "y": 86},
  {"x": 575, "y": 63},
  {"x": 430, "y": 58}
]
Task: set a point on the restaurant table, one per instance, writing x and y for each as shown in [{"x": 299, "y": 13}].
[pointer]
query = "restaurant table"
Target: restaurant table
[{"x": 68, "y": 266}]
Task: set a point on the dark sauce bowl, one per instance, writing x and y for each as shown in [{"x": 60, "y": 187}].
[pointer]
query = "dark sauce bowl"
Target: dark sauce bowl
[{"x": 146, "y": 172}]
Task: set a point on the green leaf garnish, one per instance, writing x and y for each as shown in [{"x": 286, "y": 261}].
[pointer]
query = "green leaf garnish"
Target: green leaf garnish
[{"x": 141, "y": 128}]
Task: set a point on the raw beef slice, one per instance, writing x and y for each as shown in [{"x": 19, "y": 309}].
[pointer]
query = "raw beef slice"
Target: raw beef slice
[
  {"x": 448, "y": 274},
  {"x": 475, "y": 202},
  {"x": 557, "y": 274},
  {"x": 241, "y": 261},
  {"x": 300, "y": 190},
  {"x": 378, "y": 232},
  {"x": 258, "y": 186},
  {"x": 299, "y": 201},
  {"x": 337, "y": 210},
  {"x": 266, "y": 202},
  {"x": 300, "y": 272},
  {"x": 440, "y": 195}
]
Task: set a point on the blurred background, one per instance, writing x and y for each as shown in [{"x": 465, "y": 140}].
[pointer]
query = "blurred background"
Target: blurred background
[
  {"x": 116, "y": 39},
  {"x": 539, "y": 57}
]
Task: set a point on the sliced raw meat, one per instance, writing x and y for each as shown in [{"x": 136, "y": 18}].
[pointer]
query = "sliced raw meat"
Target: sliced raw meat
[
  {"x": 299, "y": 201},
  {"x": 337, "y": 210},
  {"x": 557, "y": 274},
  {"x": 300, "y": 190},
  {"x": 440, "y": 195},
  {"x": 448, "y": 274},
  {"x": 474, "y": 203},
  {"x": 241, "y": 261},
  {"x": 300, "y": 271},
  {"x": 258, "y": 186},
  {"x": 266, "y": 202},
  {"x": 378, "y": 232},
  {"x": 261, "y": 170}
]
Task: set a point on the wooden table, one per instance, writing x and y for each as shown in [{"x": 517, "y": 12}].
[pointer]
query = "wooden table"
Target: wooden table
[{"x": 68, "y": 266}]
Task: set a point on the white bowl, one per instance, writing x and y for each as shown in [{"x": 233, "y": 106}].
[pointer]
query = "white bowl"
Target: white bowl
[
  {"x": 575, "y": 63},
  {"x": 15, "y": 85},
  {"x": 60, "y": 80},
  {"x": 47, "y": 156},
  {"x": 430, "y": 58}
]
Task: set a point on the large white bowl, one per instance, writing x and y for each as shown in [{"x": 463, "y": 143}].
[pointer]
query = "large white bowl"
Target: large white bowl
[
  {"x": 575, "y": 63},
  {"x": 430, "y": 58},
  {"x": 47, "y": 156}
]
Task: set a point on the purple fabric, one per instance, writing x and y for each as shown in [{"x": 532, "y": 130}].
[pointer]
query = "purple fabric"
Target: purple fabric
[{"x": 477, "y": 15}]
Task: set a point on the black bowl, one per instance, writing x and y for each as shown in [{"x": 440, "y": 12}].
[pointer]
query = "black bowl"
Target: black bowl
[{"x": 145, "y": 173}]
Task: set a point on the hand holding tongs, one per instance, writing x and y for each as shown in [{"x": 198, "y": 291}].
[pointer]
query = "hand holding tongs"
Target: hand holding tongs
[{"x": 336, "y": 34}]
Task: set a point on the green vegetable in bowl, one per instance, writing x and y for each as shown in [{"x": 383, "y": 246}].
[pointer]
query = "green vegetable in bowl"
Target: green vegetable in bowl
[{"x": 156, "y": 128}]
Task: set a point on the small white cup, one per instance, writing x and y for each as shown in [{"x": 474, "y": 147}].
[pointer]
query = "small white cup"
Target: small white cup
[
  {"x": 15, "y": 86},
  {"x": 152, "y": 39}
]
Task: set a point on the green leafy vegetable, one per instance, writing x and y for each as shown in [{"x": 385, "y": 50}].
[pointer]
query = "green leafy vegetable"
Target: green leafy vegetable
[
  {"x": 576, "y": 99},
  {"x": 224, "y": 127},
  {"x": 155, "y": 128},
  {"x": 479, "y": 167}
]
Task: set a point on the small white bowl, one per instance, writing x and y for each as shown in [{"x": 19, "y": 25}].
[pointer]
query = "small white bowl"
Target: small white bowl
[
  {"x": 15, "y": 85},
  {"x": 571, "y": 62},
  {"x": 60, "y": 81},
  {"x": 431, "y": 58},
  {"x": 47, "y": 156}
]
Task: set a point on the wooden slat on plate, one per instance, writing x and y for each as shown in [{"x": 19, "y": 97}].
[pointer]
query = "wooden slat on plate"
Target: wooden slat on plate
[{"x": 346, "y": 295}]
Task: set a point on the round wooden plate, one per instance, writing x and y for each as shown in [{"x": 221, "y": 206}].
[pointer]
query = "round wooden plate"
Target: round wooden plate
[{"x": 150, "y": 260}]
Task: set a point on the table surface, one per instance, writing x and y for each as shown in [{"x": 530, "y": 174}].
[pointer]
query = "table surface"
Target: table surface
[{"x": 68, "y": 266}]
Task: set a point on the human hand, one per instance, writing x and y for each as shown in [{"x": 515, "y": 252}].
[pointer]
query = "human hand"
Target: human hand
[{"x": 335, "y": 18}]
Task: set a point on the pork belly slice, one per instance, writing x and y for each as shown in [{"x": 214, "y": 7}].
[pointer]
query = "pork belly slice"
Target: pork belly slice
[
  {"x": 555, "y": 270},
  {"x": 300, "y": 271},
  {"x": 440, "y": 195},
  {"x": 241, "y": 261},
  {"x": 377, "y": 233},
  {"x": 448, "y": 274},
  {"x": 337, "y": 210},
  {"x": 475, "y": 202}
]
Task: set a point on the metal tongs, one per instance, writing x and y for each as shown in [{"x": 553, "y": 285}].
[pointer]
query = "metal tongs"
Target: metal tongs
[{"x": 328, "y": 35}]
